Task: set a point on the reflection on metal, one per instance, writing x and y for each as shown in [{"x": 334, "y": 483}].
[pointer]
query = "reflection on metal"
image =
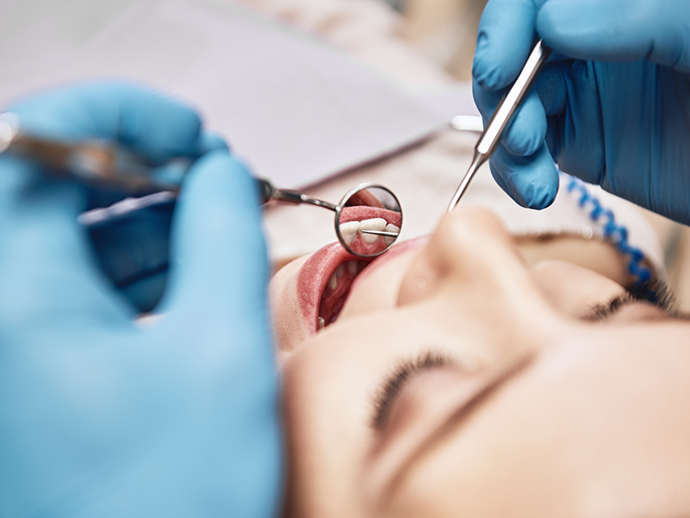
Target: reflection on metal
[
  {"x": 491, "y": 136},
  {"x": 366, "y": 204}
]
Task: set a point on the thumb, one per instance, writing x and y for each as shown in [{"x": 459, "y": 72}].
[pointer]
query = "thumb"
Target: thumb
[
  {"x": 218, "y": 261},
  {"x": 618, "y": 30}
]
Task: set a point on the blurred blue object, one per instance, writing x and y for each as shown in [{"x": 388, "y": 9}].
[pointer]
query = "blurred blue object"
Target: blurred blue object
[
  {"x": 133, "y": 250},
  {"x": 613, "y": 106},
  {"x": 104, "y": 416}
]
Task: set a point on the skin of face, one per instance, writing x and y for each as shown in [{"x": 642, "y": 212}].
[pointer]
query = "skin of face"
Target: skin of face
[{"x": 529, "y": 407}]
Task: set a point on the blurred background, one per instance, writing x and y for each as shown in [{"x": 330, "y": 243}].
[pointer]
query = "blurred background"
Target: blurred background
[{"x": 443, "y": 30}]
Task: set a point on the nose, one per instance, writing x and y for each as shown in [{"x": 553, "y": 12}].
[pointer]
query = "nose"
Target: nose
[
  {"x": 474, "y": 281},
  {"x": 470, "y": 250}
]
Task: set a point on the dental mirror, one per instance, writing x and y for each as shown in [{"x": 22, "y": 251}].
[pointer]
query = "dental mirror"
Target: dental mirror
[{"x": 368, "y": 220}]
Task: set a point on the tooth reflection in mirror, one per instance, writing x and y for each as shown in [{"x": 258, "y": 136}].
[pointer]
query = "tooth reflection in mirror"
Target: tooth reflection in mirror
[{"x": 368, "y": 220}]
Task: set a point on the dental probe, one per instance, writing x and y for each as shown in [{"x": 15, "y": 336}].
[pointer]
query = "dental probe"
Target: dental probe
[
  {"x": 491, "y": 136},
  {"x": 91, "y": 161},
  {"x": 105, "y": 164}
]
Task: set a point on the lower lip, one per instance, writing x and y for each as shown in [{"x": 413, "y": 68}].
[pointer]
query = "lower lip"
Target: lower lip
[
  {"x": 317, "y": 270},
  {"x": 313, "y": 277}
]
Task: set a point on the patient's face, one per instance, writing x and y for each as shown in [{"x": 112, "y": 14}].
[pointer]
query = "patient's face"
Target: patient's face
[{"x": 459, "y": 381}]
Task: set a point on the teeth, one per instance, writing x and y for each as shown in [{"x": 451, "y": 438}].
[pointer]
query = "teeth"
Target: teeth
[
  {"x": 348, "y": 231},
  {"x": 390, "y": 228},
  {"x": 333, "y": 281},
  {"x": 352, "y": 268},
  {"x": 371, "y": 224},
  {"x": 351, "y": 228},
  {"x": 340, "y": 271},
  {"x": 322, "y": 323}
]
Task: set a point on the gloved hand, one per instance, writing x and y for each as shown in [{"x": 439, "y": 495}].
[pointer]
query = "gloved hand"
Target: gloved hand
[
  {"x": 612, "y": 107},
  {"x": 132, "y": 250},
  {"x": 104, "y": 416}
]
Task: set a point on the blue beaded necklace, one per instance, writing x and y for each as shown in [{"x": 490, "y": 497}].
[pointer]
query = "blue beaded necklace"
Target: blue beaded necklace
[{"x": 617, "y": 235}]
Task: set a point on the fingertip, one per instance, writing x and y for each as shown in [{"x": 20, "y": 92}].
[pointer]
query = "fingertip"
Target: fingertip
[
  {"x": 492, "y": 67},
  {"x": 485, "y": 100},
  {"x": 537, "y": 179},
  {"x": 488, "y": 69},
  {"x": 156, "y": 125},
  {"x": 527, "y": 130},
  {"x": 506, "y": 186},
  {"x": 531, "y": 181},
  {"x": 220, "y": 180},
  {"x": 504, "y": 40}
]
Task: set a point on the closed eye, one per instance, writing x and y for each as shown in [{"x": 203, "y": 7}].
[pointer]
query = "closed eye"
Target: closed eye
[
  {"x": 600, "y": 312},
  {"x": 394, "y": 383},
  {"x": 662, "y": 299}
]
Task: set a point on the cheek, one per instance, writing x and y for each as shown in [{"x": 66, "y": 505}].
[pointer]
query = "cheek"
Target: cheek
[
  {"x": 418, "y": 284},
  {"x": 377, "y": 288},
  {"x": 288, "y": 325}
]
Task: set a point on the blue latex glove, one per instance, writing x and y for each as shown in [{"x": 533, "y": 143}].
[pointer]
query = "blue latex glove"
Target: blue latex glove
[
  {"x": 103, "y": 416},
  {"x": 133, "y": 249},
  {"x": 612, "y": 107}
]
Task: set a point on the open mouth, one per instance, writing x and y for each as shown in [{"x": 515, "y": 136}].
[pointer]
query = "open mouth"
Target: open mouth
[
  {"x": 337, "y": 290},
  {"x": 324, "y": 283},
  {"x": 325, "y": 280},
  {"x": 354, "y": 222}
]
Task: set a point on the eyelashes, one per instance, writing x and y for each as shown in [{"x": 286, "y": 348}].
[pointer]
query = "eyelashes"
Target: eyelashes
[
  {"x": 602, "y": 311},
  {"x": 655, "y": 292},
  {"x": 394, "y": 383},
  {"x": 658, "y": 293}
]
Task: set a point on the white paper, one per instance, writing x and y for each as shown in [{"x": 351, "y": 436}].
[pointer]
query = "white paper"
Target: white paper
[{"x": 296, "y": 109}]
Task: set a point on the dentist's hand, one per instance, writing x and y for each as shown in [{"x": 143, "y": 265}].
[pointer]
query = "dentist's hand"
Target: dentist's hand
[
  {"x": 102, "y": 416},
  {"x": 612, "y": 106}
]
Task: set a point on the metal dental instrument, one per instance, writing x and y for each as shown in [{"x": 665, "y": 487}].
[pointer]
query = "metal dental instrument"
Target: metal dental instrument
[
  {"x": 103, "y": 164},
  {"x": 491, "y": 136},
  {"x": 365, "y": 202},
  {"x": 95, "y": 162},
  {"x": 366, "y": 197}
]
